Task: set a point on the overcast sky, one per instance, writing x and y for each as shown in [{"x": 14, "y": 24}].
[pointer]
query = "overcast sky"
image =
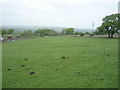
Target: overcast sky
[{"x": 59, "y": 13}]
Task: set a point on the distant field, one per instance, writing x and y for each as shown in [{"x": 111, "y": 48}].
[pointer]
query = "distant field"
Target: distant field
[{"x": 61, "y": 62}]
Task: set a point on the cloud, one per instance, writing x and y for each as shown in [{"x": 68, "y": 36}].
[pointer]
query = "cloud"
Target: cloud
[
  {"x": 80, "y": 1},
  {"x": 72, "y": 13}
]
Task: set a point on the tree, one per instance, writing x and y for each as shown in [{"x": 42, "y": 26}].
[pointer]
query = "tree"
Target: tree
[
  {"x": 76, "y": 33},
  {"x": 27, "y": 33},
  {"x": 10, "y": 31},
  {"x": 81, "y": 34},
  {"x": 42, "y": 32},
  {"x": 91, "y": 34},
  {"x": 99, "y": 32},
  {"x": 96, "y": 32},
  {"x": 53, "y": 33},
  {"x": 69, "y": 31},
  {"x": 46, "y": 32},
  {"x": 4, "y": 31},
  {"x": 110, "y": 25}
]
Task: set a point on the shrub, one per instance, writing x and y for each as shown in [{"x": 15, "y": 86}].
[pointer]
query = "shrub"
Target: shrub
[
  {"x": 63, "y": 57},
  {"x": 82, "y": 34}
]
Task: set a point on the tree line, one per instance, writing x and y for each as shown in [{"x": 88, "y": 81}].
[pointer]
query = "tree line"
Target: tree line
[
  {"x": 110, "y": 26},
  {"x": 4, "y": 31},
  {"x": 44, "y": 32}
]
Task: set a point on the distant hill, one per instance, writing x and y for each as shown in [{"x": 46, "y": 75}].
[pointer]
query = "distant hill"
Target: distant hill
[{"x": 18, "y": 29}]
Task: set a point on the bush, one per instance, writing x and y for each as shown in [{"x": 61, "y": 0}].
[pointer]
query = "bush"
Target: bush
[
  {"x": 63, "y": 57},
  {"x": 82, "y": 34},
  {"x": 27, "y": 33}
]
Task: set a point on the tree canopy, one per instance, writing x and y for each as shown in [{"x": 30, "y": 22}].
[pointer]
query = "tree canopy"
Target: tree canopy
[
  {"x": 45, "y": 32},
  {"x": 27, "y": 33},
  {"x": 68, "y": 31},
  {"x": 10, "y": 31},
  {"x": 3, "y": 31},
  {"x": 6, "y": 31},
  {"x": 110, "y": 25}
]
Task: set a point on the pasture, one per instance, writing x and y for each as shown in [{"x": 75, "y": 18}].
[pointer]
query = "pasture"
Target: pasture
[{"x": 61, "y": 62}]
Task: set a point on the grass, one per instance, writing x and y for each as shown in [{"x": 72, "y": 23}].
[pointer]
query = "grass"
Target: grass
[{"x": 61, "y": 62}]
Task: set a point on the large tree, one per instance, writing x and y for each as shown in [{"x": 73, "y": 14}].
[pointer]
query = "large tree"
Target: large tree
[
  {"x": 110, "y": 25},
  {"x": 3, "y": 31},
  {"x": 69, "y": 31}
]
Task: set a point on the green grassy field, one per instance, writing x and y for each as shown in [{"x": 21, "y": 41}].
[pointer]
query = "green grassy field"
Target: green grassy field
[{"x": 61, "y": 62}]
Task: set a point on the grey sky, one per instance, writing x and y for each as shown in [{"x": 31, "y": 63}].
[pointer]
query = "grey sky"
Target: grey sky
[{"x": 61, "y": 13}]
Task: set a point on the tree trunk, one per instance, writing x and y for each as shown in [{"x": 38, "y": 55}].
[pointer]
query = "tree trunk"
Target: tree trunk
[
  {"x": 112, "y": 35},
  {"x": 108, "y": 35}
]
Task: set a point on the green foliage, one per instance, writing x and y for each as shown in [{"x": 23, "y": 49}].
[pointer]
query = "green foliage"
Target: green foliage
[
  {"x": 27, "y": 33},
  {"x": 4, "y": 31},
  {"x": 96, "y": 32},
  {"x": 46, "y": 32},
  {"x": 110, "y": 25},
  {"x": 68, "y": 31},
  {"x": 81, "y": 34},
  {"x": 99, "y": 32},
  {"x": 76, "y": 33},
  {"x": 10, "y": 31},
  {"x": 53, "y": 33}
]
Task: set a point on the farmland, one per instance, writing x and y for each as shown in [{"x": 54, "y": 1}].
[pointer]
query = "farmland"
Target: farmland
[{"x": 61, "y": 62}]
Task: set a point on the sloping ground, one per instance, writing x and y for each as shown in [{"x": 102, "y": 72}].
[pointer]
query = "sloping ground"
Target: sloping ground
[{"x": 61, "y": 62}]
